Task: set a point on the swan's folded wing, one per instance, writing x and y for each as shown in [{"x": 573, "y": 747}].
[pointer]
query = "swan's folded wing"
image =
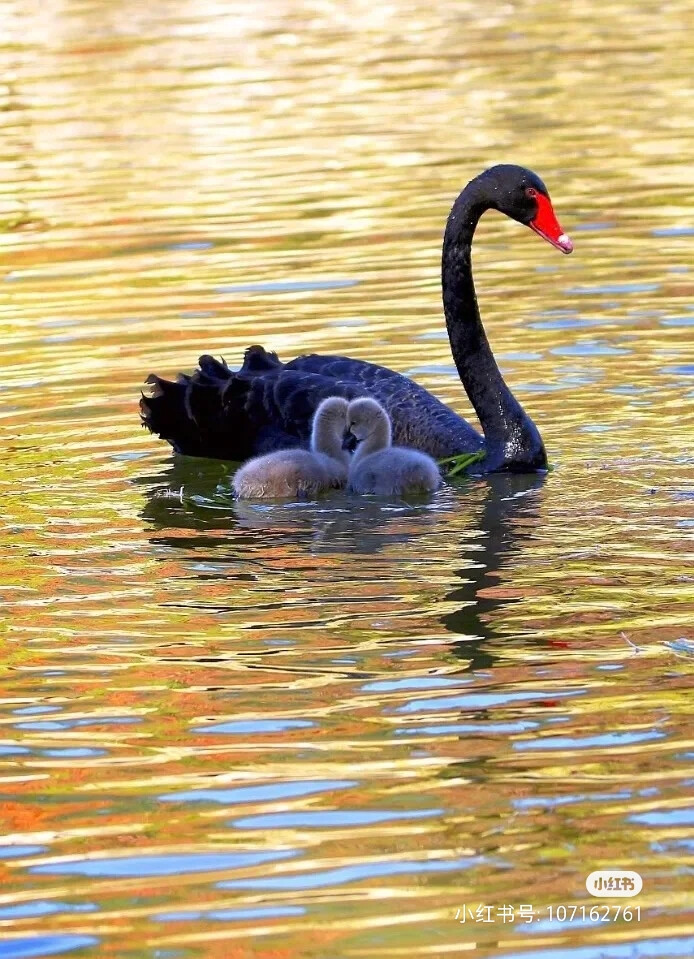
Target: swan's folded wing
[{"x": 267, "y": 405}]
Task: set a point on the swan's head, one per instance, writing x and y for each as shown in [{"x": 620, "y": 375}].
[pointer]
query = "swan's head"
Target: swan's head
[
  {"x": 366, "y": 420},
  {"x": 328, "y": 428},
  {"x": 329, "y": 421},
  {"x": 332, "y": 410},
  {"x": 521, "y": 194}
]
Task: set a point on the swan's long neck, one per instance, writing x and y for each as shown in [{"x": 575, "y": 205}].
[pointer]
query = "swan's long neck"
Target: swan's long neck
[
  {"x": 507, "y": 428},
  {"x": 377, "y": 439},
  {"x": 326, "y": 437}
]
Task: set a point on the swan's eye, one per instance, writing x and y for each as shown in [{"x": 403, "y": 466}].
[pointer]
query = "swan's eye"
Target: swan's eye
[{"x": 531, "y": 191}]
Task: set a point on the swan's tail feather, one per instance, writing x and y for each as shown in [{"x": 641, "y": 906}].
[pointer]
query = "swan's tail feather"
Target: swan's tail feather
[
  {"x": 192, "y": 417},
  {"x": 164, "y": 412},
  {"x": 212, "y": 412}
]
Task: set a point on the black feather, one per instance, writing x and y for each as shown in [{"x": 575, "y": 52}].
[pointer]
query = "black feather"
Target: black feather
[{"x": 268, "y": 405}]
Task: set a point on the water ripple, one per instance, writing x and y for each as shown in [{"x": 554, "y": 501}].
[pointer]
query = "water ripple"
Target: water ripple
[{"x": 331, "y": 724}]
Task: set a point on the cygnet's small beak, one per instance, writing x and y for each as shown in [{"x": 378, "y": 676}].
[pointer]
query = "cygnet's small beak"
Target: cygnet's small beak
[{"x": 349, "y": 441}]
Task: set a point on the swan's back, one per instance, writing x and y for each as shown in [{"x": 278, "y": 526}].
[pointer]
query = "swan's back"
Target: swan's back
[
  {"x": 267, "y": 405},
  {"x": 394, "y": 471}
]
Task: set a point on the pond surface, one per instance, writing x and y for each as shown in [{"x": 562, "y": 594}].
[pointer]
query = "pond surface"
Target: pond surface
[{"x": 338, "y": 729}]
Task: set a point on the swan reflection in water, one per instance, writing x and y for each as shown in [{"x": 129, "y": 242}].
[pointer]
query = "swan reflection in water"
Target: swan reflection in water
[{"x": 489, "y": 521}]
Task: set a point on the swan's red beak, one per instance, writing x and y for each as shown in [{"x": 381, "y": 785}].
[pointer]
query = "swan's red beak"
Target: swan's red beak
[{"x": 547, "y": 226}]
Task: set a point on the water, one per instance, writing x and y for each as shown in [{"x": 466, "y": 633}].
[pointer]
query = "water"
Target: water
[{"x": 330, "y": 729}]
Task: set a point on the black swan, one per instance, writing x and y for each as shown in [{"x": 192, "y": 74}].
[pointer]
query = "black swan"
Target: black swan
[
  {"x": 377, "y": 466},
  {"x": 268, "y": 405},
  {"x": 297, "y": 472}
]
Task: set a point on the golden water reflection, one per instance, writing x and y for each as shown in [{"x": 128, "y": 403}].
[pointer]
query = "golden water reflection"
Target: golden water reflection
[{"x": 322, "y": 730}]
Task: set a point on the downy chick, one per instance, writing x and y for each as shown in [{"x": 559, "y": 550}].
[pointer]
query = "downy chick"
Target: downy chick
[
  {"x": 376, "y": 466},
  {"x": 299, "y": 473}
]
